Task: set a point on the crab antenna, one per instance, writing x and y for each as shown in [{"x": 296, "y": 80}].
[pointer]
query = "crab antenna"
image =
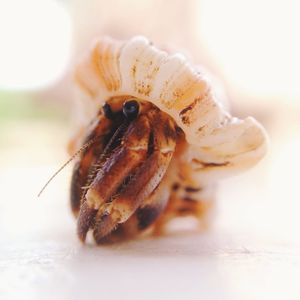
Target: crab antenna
[{"x": 86, "y": 145}]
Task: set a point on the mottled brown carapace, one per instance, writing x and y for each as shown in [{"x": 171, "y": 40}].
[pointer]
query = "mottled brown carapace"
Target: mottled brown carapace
[{"x": 127, "y": 180}]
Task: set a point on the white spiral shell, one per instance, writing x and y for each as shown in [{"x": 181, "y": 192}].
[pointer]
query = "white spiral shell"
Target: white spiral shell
[{"x": 219, "y": 144}]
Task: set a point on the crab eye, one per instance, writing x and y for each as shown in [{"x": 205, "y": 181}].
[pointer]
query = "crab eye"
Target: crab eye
[
  {"x": 107, "y": 111},
  {"x": 131, "y": 109}
]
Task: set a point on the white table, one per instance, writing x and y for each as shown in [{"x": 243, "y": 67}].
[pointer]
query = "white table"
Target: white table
[{"x": 252, "y": 252}]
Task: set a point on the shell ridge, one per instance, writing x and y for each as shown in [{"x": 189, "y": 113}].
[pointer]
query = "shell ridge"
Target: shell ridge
[{"x": 137, "y": 68}]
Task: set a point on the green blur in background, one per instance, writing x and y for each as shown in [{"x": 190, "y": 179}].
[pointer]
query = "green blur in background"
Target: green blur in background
[{"x": 30, "y": 129}]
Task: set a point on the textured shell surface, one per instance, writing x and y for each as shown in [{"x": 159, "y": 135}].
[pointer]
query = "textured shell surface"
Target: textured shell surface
[{"x": 219, "y": 145}]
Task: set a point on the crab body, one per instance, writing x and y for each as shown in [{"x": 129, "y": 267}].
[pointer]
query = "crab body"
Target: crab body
[{"x": 159, "y": 141}]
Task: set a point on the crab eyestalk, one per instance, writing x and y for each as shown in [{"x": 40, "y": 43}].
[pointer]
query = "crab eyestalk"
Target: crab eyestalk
[{"x": 118, "y": 177}]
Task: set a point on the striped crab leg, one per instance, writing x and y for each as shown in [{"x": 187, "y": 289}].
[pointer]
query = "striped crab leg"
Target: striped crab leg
[
  {"x": 113, "y": 171},
  {"x": 134, "y": 196},
  {"x": 148, "y": 212},
  {"x": 88, "y": 157}
]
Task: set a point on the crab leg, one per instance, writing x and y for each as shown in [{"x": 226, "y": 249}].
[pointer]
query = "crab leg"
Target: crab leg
[
  {"x": 144, "y": 216},
  {"x": 133, "y": 150},
  {"x": 89, "y": 156},
  {"x": 113, "y": 172},
  {"x": 145, "y": 179},
  {"x": 149, "y": 211},
  {"x": 195, "y": 202}
]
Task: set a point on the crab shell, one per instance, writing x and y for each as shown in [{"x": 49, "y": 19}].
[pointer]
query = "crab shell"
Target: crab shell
[{"x": 219, "y": 145}]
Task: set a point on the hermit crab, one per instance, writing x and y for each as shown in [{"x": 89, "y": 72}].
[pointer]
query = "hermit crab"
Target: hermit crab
[{"x": 153, "y": 139}]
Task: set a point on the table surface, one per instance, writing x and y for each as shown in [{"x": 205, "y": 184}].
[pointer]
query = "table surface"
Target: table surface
[{"x": 251, "y": 252}]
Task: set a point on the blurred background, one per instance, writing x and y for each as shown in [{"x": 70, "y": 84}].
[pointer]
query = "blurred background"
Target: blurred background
[{"x": 251, "y": 46}]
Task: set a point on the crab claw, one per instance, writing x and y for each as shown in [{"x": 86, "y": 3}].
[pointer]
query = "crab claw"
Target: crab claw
[{"x": 126, "y": 176}]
